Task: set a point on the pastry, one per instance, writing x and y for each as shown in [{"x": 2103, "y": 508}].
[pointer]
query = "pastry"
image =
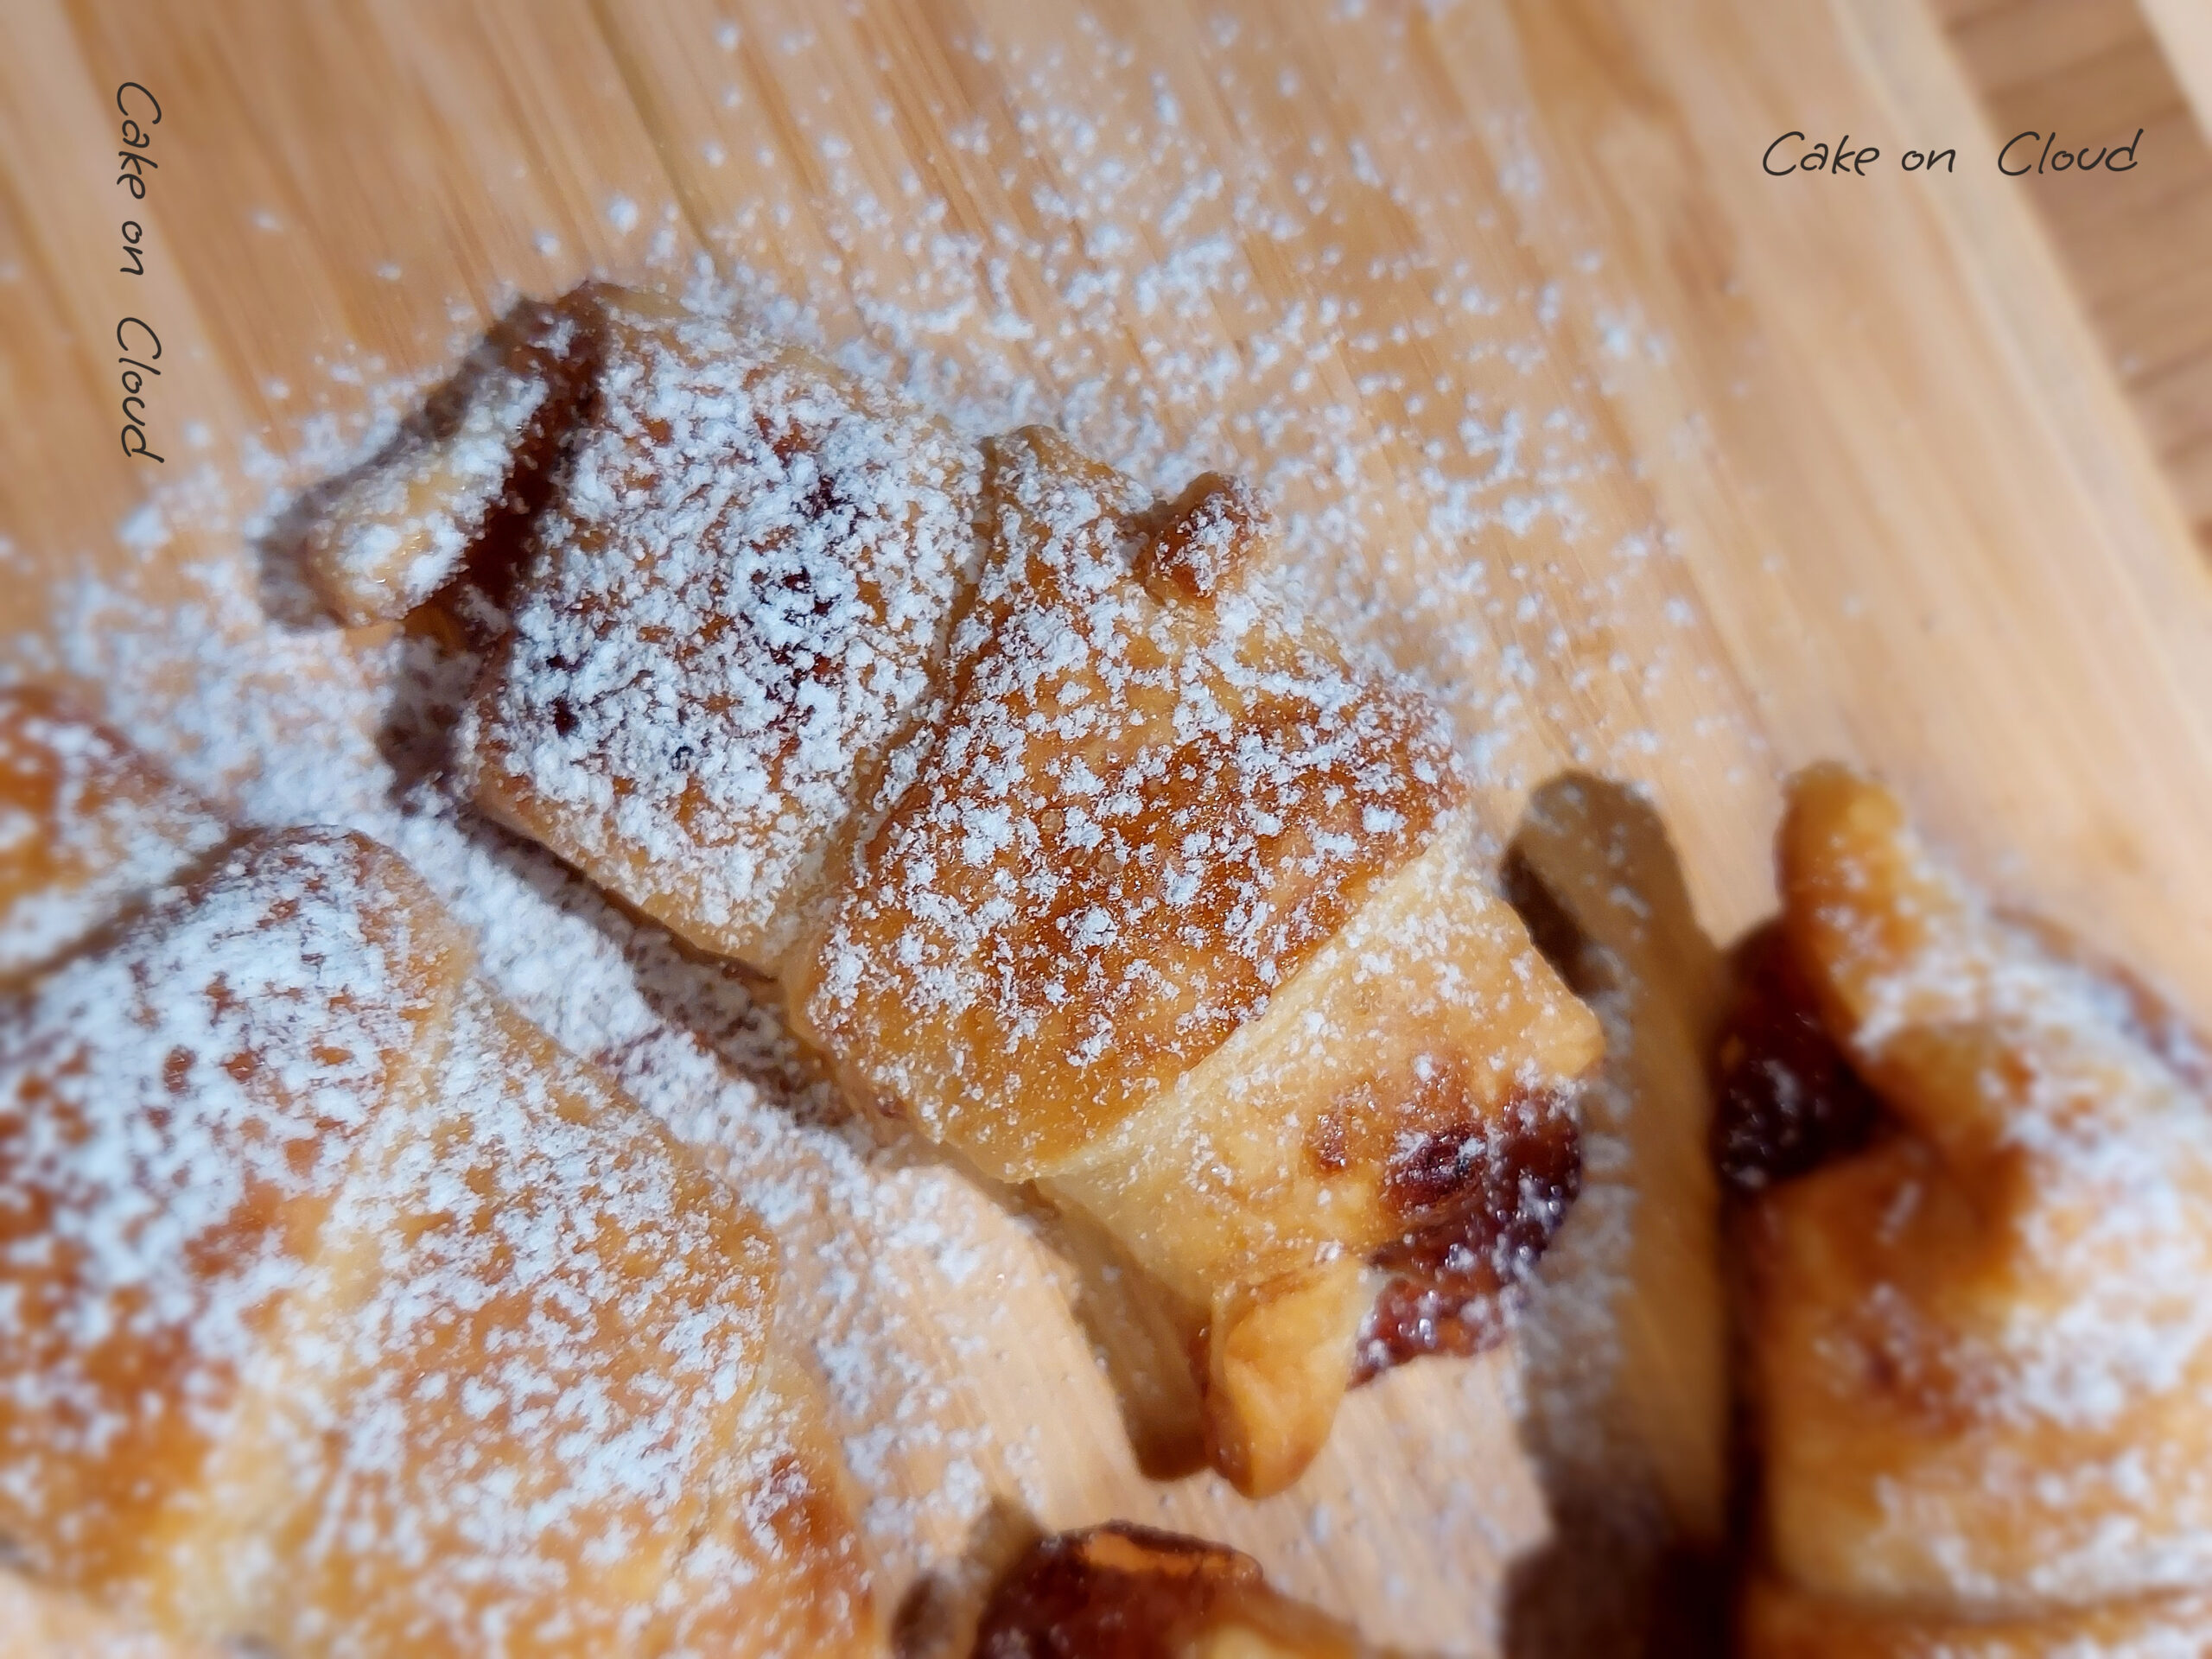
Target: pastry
[
  {"x": 348, "y": 1314},
  {"x": 1778, "y": 1624},
  {"x": 1975, "y": 1222},
  {"x": 1068, "y": 847},
  {"x": 37, "y": 1622},
  {"x": 84, "y": 820},
  {"x": 1124, "y": 1592},
  {"x": 1176, "y": 919},
  {"x": 481, "y": 450},
  {"x": 734, "y": 608}
]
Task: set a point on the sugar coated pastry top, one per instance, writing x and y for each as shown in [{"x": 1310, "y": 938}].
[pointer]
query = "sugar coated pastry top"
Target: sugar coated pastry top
[
  {"x": 736, "y": 603},
  {"x": 348, "y": 1313},
  {"x": 1137, "y": 820},
  {"x": 1981, "y": 1347},
  {"x": 1069, "y": 844}
]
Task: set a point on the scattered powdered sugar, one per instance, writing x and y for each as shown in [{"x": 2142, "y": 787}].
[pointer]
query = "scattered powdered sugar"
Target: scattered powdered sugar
[
  {"x": 1429, "y": 458},
  {"x": 291, "y": 998},
  {"x": 708, "y": 669},
  {"x": 1134, "y": 822}
]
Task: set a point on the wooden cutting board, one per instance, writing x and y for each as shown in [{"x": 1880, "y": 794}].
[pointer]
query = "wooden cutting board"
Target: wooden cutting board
[{"x": 1648, "y": 462}]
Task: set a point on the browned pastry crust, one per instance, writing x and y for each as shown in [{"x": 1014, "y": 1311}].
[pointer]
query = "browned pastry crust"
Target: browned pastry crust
[
  {"x": 348, "y": 1314},
  {"x": 1783, "y": 1624},
  {"x": 481, "y": 450},
  {"x": 1979, "y": 1225},
  {"x": 39, "y": 1622},
  {"x": 731, "y": 611},
  {"x": 82, "y": 817},
  {"x": 1068, "y": 847},
  {"x": 1132, "y": 825},
  {"x": 1125, "y": 1592}
]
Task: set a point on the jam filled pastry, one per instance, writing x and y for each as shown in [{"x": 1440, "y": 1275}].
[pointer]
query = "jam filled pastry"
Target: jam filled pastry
[
  {"x": 1068, "y": 847},
  {"x": 347, "y": 1314},
  {"x": 1973, "y": 1229},
  {"x": 1123, "y": 1592}
]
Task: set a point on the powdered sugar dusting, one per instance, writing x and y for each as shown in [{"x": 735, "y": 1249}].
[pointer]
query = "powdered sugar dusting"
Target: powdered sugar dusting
[
  {"x": 563, "y": 1327},
  {"x": 1175, "y": 302},
  {"x": 2106, "y": 1111},
  {"x": 349, "y": 1313},
  {"x": 290, "y": 999},
  {"x": 83, "y": 827},
  {"x": 746, "y": 579},
  {"x": 402, "y": 526},
  {"x": 2029, "y": 1249},
  {"x": 1136, "y": 822}
]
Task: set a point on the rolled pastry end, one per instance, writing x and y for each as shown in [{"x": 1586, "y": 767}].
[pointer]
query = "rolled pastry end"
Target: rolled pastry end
[
  {"x": 1976, "y": 1166},
  {"x": 1363, "y": 1174},
  {"x": 1277, "y": 1363},
  {"x": 397, "y": 529}
]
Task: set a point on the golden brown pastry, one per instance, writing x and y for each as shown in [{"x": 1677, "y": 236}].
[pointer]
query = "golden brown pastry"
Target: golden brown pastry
[
  {"x": 1175, "y": 920},
  {"x": 1779, "y": 1624},
  {"x": 1067, "y": 846},
  {"x": 1124, "y": 1592},
  {"x": 735, "y": 602},
  {"x": 481, "y": 450},
  {"x": 84, "y": 823},
  {"x": 37, "y": 1622},
  {"x": 348, "y": 1314},
  {"x": 1977, "y": 1345}
]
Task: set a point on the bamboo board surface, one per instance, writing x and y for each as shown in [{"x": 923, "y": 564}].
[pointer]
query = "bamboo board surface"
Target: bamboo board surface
[
  {"x": 1649, "y": 463},
  {"x": 2136, "y": 248}
]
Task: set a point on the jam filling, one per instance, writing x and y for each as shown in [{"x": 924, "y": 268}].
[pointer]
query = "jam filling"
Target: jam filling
[
  {"x": 1484, "y": 1202},
  {"x": 1785, "y": 1097}
]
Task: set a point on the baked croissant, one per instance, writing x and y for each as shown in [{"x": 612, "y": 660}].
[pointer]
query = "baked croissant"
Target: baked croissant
[
  {"x": 344, "y": 1313},
  {"x": 1974, "y": 1245},
  {"x": 1065, "y": 845},
  {"x": 1125, "y": 1592}
]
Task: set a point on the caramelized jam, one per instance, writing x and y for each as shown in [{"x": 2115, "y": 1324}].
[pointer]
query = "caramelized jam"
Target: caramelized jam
[
  {"x": 1485, "y": 1202},
  {"x": 1126, "y": 1592},
  {"x": 562, "y": 345},
  {"x": 1785, "y": 1098}
]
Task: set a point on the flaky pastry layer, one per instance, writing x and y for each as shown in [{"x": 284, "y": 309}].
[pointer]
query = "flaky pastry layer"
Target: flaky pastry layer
[
  {"x": 1069, "y": 845},
  {"x": 348, "y": 1314},
  {"x": 1979, "y": 1344}
]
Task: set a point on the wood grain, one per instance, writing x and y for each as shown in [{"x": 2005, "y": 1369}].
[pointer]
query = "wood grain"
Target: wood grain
[
  {"x": 1811, "y": 466},
  {"x": 2135, "y": 245},
  {"x": 2184, "y": 33}
]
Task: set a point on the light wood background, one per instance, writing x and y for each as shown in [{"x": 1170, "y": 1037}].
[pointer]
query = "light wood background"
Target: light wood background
[
  {"x": 2138, "y": 248},
  {"x": 1814, "y": 467}
]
